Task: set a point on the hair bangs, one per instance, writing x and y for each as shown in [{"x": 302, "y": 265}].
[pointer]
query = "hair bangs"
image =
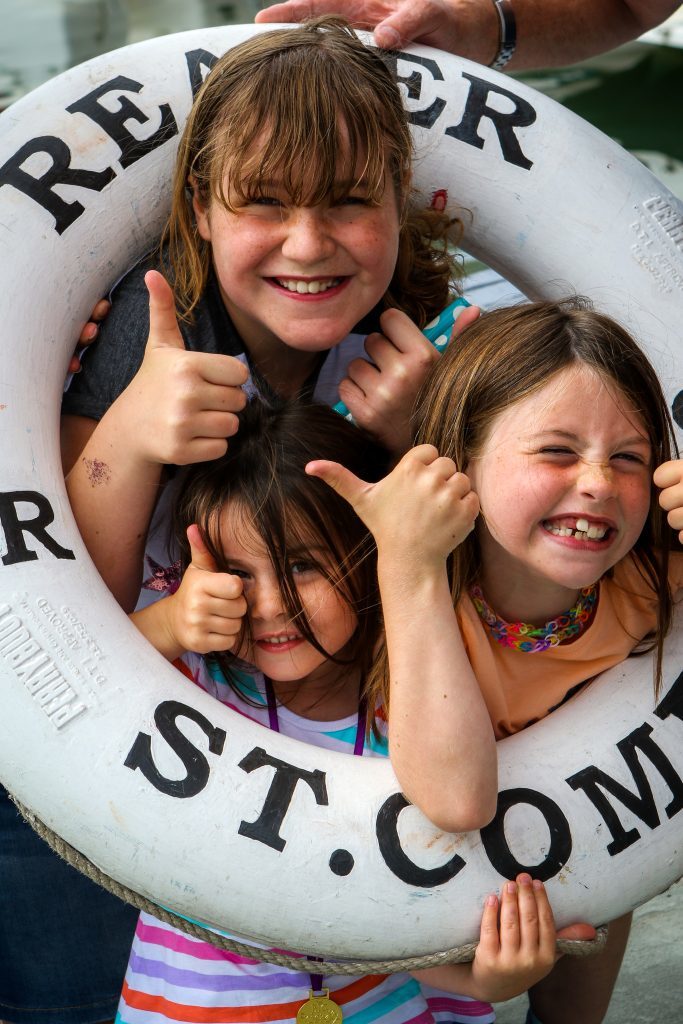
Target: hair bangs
[{"x": 302, "y": 135}]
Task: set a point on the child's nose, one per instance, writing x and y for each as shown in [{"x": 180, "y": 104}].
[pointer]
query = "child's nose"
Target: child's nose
[
  {"x": 596, "y": 479},
  {"x": 308, "y": 236},
  {"x": 264, "y": 600}
]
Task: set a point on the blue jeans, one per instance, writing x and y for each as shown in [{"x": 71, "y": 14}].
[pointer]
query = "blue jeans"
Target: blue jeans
[{"x": 64, "y": 941}]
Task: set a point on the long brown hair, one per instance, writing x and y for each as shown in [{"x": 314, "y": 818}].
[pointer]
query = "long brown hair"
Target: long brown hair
[
  {"x": 511, "y": 353},
  {"x": 291, "y": 103},
  {"x": 262, "y": 479}
]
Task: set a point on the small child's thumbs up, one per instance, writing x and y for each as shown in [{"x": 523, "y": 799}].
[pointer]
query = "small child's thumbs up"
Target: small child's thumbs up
[
  {"x": 341, "y": 480},
  {"x": 201, "y": 556},
  {"x": 163, "y": 324}
]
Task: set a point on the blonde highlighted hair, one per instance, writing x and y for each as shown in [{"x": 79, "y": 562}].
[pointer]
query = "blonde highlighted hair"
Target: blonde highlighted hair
[{"x": 305, "y": 106}]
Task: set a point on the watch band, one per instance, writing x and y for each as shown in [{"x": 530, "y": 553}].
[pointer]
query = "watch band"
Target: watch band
[{"x": 507, "y": 38}]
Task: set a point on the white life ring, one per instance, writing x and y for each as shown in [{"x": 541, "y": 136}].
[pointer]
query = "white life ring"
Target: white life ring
[{"x": 91, "y": 715}]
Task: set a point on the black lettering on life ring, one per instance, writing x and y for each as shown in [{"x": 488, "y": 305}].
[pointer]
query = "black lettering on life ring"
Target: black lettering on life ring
[
  {"x": 672, "y": 702},
  {"x": 196, "y": 60},
  {"x": 496, "y": 845},
  {"x": 477, "y": 108},
  {"x": 677, "y": 409},
  {"x": 642, "y": 804},
  {"x": 266, "y": 828},
  {"x": 114, "y": 122},
  {"x": 413, "y": 83},
  {"x": 397, "y": 860},
  {"x": 40, "y": 188},
  {"x": 196, "y": 764},
  {"x": 14, "y": 528}
]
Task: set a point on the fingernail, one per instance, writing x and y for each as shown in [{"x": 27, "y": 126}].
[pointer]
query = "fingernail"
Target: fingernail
[
  {"x": 524, "y": 879},
  {"x": 510, "y": 887},
  {"x": 492, "y": 900},
  {"x": 537, "y": 884}
]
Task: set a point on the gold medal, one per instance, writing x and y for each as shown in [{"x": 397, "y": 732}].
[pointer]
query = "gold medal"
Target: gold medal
[{"x": 319, "y": 1009}]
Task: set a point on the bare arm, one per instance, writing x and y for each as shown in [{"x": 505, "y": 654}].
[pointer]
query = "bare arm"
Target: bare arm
[
  {"x": 179, "y": 408},
  {"x": 75, "y": 432},
  {"x": 549, "y": 32},
  {"x": 112, "y": 493},
  {"x": 441, "y": 740}
]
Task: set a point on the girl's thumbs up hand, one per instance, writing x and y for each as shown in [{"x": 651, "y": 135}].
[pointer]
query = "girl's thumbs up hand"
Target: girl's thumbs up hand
[
  {"x": 181, "y": 405},
  {"x": 419, "y": 513},
  {"x": 669, "y": 476},
  {"x": 207, "y": 610}
]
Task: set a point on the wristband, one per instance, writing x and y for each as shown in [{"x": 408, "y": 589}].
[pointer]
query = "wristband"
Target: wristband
[{"x": 507, "y": 38}]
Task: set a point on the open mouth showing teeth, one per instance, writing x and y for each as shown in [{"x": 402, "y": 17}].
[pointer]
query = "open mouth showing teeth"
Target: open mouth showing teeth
[
  {"x": 581, "y": 530},
  {"x": 308, "y": 287},
  {"x": 279, "y": 639}
]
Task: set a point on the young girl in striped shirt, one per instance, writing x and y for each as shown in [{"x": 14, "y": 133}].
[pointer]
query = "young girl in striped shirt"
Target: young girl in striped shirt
[{"x": 279, "y": 601}]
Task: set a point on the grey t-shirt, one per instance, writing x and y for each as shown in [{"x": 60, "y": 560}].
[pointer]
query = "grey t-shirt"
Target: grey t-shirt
[
  {"x": 110, "y": 364},
  {"x": 112, "y": 361}
]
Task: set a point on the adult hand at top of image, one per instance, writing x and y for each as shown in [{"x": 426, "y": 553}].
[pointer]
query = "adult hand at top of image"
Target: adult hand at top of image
[
  {"x": 448, "y": 24},
  {"x": 183, "y": 404},
  {"x": 205, "y": 614},
  {"x": 419, "y": 512},
  {"x": 548, "y": 33}
]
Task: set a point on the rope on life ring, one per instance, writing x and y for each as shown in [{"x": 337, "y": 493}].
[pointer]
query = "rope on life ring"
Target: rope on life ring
[
  {"x": 147, "y": 777},
  {"x": 458, "y": 955}
]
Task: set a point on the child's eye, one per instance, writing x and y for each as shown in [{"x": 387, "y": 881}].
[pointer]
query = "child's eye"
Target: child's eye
[
  {"x": 631, "y": 457},
  {"x": 556, "y": 449},
  {"x": 241, "y": 573},
  {"x": 302, "y": 566},
  {"x": 352, "y": 199}
]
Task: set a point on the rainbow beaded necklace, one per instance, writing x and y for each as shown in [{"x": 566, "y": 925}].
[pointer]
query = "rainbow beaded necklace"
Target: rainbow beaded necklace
[{"x": 532, "y": 639}]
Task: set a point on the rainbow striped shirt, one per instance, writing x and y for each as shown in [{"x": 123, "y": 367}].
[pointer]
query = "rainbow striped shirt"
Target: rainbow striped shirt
[{"x": 173, "y": 977}]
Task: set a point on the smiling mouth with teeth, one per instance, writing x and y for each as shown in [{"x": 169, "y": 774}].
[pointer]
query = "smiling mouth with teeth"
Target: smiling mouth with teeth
[
  {"x": 308, "y": 287},
  {"x": 583, "y": 530},
  {"x": 278, "y": 639}
]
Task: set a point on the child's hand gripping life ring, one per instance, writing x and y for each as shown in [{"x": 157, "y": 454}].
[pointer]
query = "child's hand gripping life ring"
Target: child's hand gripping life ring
[{"x": 154, "y": 781}]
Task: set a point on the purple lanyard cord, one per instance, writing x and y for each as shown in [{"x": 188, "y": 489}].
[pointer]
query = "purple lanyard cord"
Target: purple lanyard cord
[{"x": 274, "y": 721}]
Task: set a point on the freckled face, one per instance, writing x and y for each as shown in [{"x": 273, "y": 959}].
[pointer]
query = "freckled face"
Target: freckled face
[
  {"x": 302, "y": 276},
  {"x": 564, "y": 481}
]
